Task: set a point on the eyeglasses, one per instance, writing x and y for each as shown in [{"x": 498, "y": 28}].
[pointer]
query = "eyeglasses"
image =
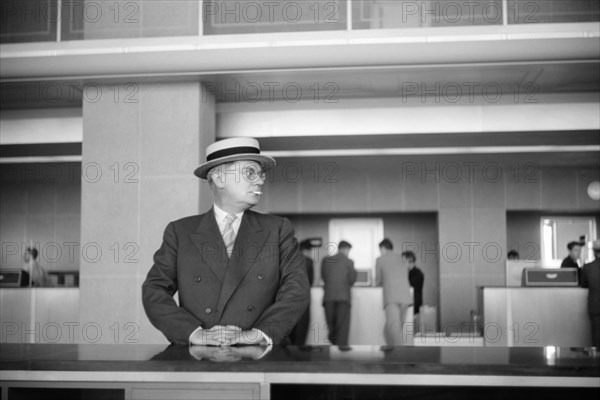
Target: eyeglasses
[{"x": 252, "y": 174}]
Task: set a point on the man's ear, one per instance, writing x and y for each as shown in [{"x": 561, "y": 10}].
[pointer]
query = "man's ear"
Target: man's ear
[{"x": 217, "y": 178}]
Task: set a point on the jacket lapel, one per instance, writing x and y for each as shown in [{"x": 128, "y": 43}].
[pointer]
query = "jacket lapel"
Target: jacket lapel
[
  {"x": 249, "y": 242},
  {"x": 209, "y": 242}
]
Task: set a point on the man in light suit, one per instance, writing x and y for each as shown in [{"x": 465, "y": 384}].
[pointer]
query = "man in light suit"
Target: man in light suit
[
  {"x": 338, "y": 275},
  {"x": 392, "y": 273},
  {"x": 239, "y": 275}
]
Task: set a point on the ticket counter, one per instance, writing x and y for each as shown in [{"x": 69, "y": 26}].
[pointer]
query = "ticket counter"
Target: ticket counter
[{"x": 536, "y": 316}]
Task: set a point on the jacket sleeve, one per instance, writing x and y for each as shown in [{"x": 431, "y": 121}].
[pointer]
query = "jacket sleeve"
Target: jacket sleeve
[
  {"x": 158, "y": 289},
  {"x": 584, "y": 278},
  {"x": 352, "y": 273},
  {"x": 293, "y": 296},
  {"x": 310, "y": 269},
  {"x": 378, "y": 275}
]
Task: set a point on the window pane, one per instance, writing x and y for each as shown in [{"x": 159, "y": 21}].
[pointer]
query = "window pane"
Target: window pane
[
  {"x": 28, "y": 21},
  {"x": 235, "y": 16},
  {"x": 557, "y": 232},
  {"x": 386, "y": 14},
  {"x": 120, "y": 19},
  {"x": 548, "y": 11}
]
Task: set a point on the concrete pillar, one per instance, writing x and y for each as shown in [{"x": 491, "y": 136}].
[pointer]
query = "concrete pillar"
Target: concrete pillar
[
  {"x": 472, "y": 240},
  {"x": 139, "y": 154}
]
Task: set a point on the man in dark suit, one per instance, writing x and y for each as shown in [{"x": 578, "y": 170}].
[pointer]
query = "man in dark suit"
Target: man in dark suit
[
  {"x": 338, "y": 275},
  {"x": 590, "y": 278},
  {"x": 572, "y": 260},
  {"x": 239, "y": 274},
  {"x": 298, "y": 334},
  {"x": 416, "y": 278}
]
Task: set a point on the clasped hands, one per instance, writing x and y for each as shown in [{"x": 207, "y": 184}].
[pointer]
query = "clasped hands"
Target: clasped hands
[{"x": 228, "y": 335}]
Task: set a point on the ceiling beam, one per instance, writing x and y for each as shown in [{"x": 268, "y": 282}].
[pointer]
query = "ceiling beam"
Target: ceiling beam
[{"x": 191, "y": 56}]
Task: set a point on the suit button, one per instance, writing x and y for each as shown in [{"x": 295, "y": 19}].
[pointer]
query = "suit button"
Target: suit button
[
  {"x": 198, "y": 278},
  {"x": 250, "y": 308},
  {"x": 261, "y": 276},
  {"x": 208, "y": 310}
]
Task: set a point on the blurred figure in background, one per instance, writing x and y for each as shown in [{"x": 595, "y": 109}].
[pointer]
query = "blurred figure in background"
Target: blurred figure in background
[
  {"x": 572, "y": 260},
  {"x": 338, "y": 275},
  {"x": 392, "y": 273},
  {"x": 416, "y": 278},
  {"x": 298, "y": 334},
  {"x": 37, "y": 274},
  {"x": 590, "y": 278},
  {"x": 513, "y": 255}
]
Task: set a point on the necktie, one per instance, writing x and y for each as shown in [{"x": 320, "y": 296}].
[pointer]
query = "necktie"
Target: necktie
[{"x": 228, "y": 233}]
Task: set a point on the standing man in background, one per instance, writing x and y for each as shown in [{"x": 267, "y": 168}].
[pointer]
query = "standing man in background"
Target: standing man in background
[
  {"x": 416, "y": 279},
  {"x": 590, "y": 278},
  {"x": 572, "y": 260},
  {"x": 35, "y": 272},
  {"x": 338, "y": 275},
  {"x": 298, "y": 335},
  {"x": 392, "y": 273}
]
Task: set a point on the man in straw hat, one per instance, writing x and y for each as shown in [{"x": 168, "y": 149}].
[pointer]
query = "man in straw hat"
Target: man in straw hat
[
  {"x": 240, "y": 277},
  {"x": 590, "y": 278}
]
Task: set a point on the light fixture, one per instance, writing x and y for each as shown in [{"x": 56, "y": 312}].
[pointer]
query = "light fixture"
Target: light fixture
[{"x": 593, "y": 190}]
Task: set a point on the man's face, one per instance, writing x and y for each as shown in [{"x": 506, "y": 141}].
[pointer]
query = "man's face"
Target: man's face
[
  {"x": 243, "y": 181},
  {"x": 575, "y": 252}
]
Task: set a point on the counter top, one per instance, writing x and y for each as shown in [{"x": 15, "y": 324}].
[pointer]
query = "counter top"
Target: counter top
[{"x": 539, "y": 361}]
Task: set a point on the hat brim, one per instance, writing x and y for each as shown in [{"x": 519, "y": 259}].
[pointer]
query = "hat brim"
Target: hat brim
[{"x": 265, "y": 162}]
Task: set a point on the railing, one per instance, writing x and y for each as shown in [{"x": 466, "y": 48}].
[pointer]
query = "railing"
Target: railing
[{"x": 66, "y": 20}]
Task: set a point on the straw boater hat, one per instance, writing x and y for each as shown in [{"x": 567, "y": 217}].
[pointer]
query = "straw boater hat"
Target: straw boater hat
[{"x": 233, "y": 149}]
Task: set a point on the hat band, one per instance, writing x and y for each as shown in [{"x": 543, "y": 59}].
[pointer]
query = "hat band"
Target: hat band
[{"x": 231, "y": 152}]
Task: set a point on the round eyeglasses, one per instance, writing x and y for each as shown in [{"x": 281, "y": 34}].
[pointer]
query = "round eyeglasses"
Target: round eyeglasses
[{"x": 252, "y": 174}]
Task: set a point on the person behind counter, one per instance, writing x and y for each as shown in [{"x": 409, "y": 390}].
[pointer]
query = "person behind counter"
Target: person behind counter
[
  {"x": 572, "y": 260},
  {"x": 392, "y": 273},
  {"x": 416, "y": 278},
  {"x": 590, "y": 279},
  {"x": 513, "y": 255},
  {"x": 34, "y": 274},
  {"x": 240, "y": 276},
  {"x": 298, "y": 334},
  {"x": 338, "y": 275}
]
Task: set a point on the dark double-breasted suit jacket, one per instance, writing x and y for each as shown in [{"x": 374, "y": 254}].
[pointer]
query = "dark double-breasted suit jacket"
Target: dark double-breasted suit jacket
[
  {"x": 338, "y": 275},
  {"x": 262, "y": 286},
  {"x": 590, "y": 278}
]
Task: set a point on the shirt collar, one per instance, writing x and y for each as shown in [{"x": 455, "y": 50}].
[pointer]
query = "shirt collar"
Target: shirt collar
[{"x": 220, "y": 214}]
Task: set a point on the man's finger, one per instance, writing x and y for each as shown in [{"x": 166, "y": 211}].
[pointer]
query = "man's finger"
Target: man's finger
[
  {"x": 233, "y": 327},
  {"x": 213, "y": 338},
  {"x": 215, "y": 328},
  {"x": 207, "y": 342}
]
